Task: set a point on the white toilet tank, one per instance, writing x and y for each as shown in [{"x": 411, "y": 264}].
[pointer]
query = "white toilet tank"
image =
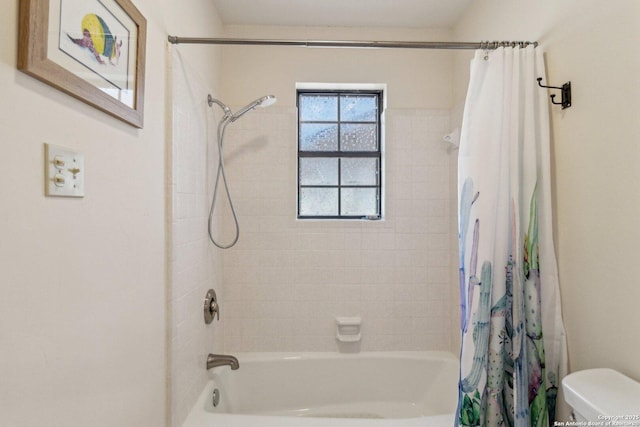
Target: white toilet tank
[{"x": 603, "y": 396}]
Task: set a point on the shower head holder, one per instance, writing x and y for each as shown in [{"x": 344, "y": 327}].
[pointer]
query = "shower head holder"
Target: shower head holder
[{"x": 211, "y": 100}]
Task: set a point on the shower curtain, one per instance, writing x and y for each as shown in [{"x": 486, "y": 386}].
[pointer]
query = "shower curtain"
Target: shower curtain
[{"x": 512, "y": 333}]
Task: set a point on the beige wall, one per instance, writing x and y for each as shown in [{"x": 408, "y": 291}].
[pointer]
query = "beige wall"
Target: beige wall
[
  {"x": 423, "y": 80},
  {"x": 82, "y": 312},
  {"x": 594, "y": 44}
]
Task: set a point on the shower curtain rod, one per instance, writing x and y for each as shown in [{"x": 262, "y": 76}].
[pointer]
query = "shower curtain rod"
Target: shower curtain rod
[{"x": 352, "y": 43}]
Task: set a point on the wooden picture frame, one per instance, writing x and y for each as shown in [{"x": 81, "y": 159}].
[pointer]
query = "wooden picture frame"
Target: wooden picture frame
[{"x": 93, "y": 50}]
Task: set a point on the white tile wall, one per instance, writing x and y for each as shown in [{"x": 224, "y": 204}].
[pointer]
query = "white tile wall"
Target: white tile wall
[
  {"x": 193, "y": 267},
  {"x": 286, "y": 280}
]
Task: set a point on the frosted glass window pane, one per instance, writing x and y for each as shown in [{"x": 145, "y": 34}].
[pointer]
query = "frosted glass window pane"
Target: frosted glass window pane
[
  {"x": 339, "y": 156},
  {"x": 358, "y": 137},
  {"x": 318, "y": 171},
  {"x": 359, "y": 201},
  {"x": 318, "y": 108},
  {"x": 358, "y": 108},
  {"x": 358, "y": 171},
  {"x": 318, "y": 137},
  {"x": 319, "y": 201}
]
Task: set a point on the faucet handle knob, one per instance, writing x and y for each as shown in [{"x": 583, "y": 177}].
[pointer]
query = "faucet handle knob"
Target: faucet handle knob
[
  {"x": 211, "y": 307},
  {"x": 215, "y": 310}
]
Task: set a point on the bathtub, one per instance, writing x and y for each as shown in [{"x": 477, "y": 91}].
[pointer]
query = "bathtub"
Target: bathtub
[{"x": 377, "y": 389}]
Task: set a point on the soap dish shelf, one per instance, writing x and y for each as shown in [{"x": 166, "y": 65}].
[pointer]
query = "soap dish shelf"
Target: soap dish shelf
[{"x": 348, "y": 329}]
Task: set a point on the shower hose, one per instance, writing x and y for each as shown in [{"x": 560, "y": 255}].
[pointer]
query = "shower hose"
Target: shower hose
[{"x": 221, "y": 176}]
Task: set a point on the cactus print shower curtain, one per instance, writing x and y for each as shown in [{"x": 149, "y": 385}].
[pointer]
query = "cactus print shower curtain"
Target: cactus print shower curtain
[{"x": 512, "y": 333}]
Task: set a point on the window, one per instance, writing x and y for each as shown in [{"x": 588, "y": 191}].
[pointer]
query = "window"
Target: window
[{"x": 339, "y": 155}]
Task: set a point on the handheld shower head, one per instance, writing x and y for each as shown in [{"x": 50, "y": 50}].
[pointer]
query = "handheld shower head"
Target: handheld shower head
[{"x": 265, "y": 101}]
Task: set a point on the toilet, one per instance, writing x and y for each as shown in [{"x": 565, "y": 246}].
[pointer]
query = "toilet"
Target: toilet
[{"x": 603, "y": 397}]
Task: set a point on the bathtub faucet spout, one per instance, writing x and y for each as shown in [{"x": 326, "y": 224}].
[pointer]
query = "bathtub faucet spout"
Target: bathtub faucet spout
[{"x": 214, "y": 360}]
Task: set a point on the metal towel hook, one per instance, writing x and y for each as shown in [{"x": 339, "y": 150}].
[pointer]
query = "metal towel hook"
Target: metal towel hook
[{"x": 565, "y": 92}]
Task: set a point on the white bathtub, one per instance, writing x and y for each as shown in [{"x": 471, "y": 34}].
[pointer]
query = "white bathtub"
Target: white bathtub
[{"x": 378, "y": 389}]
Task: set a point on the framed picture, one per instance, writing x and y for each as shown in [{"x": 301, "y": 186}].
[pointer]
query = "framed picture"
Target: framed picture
[{"x": 93, "y": 50}]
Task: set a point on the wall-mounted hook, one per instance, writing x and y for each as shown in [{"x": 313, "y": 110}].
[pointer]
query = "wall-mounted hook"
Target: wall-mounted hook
[{"x": 565, "y": 91}]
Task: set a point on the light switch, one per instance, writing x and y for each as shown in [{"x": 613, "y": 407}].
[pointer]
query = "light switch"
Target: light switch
[{"x": 64, "y": 172}]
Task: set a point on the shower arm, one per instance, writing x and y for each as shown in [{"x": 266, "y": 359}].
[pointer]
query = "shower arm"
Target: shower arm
[{"x": 227, "y": 111}]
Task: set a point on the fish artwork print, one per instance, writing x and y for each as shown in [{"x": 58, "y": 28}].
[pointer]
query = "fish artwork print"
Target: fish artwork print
[{"x": 97, "y": 37}]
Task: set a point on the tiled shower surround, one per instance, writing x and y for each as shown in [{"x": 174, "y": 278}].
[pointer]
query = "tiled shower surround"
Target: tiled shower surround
[{"x": 286, "y": 280}]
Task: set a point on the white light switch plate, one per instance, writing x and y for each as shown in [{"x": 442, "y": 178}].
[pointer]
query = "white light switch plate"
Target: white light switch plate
[{"x": 64, "y": 172}]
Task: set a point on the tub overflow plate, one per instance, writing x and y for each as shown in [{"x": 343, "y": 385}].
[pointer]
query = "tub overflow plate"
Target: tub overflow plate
[{"x": 215, "y": 398}]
